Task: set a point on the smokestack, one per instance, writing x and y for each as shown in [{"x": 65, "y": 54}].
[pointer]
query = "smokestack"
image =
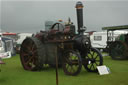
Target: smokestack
[{"x": 79, "y": 10}]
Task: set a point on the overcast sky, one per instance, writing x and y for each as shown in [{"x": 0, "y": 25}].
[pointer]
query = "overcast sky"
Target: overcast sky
[{"x": 30, "y": 15}]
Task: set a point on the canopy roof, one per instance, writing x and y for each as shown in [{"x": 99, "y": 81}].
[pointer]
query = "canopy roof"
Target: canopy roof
[{"x": 122, "y": 27}]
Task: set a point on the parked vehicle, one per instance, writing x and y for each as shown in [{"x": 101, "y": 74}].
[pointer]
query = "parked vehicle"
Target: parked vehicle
[
  {"x": 117, "y": 47},
  {"x": 99, "y": 39}
]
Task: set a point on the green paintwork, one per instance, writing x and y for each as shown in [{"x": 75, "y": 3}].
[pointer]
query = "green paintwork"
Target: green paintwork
[
  {"x": 116, "y": 27},
  {"x": 122, "y": 38}
]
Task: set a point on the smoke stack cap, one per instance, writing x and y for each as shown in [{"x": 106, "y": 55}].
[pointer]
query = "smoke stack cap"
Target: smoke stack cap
[{"x": 79, "y": 5}]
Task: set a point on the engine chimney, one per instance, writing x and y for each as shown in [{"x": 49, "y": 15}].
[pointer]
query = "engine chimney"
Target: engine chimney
[{"x": 79, "y": 10}]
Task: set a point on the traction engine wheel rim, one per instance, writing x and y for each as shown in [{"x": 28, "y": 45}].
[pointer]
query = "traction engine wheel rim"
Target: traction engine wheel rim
[
  {"x": 118, "y": 50},
  {"x": 28, "y": 54},
  {"x": 92, "y": 60},
  {"x": 72, "y": 63}
]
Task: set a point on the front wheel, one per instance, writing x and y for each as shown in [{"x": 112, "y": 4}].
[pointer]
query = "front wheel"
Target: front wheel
[
  {"x": 92, "y": 60},
  {"x": 72, "y": 63}
]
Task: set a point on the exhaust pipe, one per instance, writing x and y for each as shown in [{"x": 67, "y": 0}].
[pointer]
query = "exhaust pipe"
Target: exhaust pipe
[{"x": 79, "y": 10}]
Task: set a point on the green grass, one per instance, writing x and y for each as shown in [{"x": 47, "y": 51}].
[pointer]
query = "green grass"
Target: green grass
[{"x": 13, "y": 74}]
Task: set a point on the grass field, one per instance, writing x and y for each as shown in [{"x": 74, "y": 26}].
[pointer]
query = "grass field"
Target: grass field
[{"x": 13, "y": 74}]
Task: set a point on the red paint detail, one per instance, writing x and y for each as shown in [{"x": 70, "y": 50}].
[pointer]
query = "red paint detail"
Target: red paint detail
[
  {"x": 67, "y": 29},
  {"x": 7, "y": 33}
]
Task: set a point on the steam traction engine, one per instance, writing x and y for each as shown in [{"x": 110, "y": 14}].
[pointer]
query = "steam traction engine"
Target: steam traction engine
[
  {"x": 73, "y": 50},
  {"x": 117, "y": 46}
]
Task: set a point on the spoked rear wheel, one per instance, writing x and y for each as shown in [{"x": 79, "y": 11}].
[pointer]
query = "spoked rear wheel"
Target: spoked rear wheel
[
  {"x": 72, "y": 63},
  {"x": 118, "y": 50},
  {"x": 29, "y": 54},
  {"x": 93, "y": 59}
]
